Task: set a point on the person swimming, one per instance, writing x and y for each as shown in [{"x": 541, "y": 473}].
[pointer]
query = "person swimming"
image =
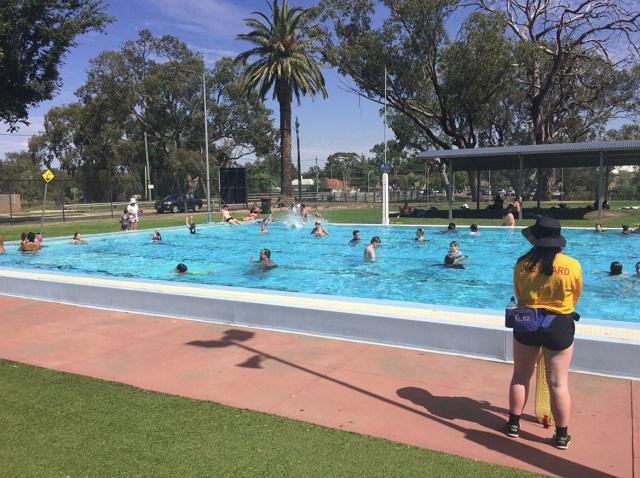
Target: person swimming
[
  {"x": 190, "y": 224},
  {"x": 615, "y": 269}
]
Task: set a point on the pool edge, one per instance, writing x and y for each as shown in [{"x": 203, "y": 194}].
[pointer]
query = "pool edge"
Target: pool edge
[{"x": 605, "y": 349}]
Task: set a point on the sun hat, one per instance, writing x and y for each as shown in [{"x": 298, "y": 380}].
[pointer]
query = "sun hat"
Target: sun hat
[
  {"x": 545, "y": 233},
  {"x": 132, "y": 200}
]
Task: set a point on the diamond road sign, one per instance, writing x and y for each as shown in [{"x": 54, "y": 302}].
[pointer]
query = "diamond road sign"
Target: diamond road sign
[{"x": 47, "y": 175}]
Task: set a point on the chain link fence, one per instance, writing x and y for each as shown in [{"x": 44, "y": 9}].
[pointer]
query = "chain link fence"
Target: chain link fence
[{"x": 23, "y": 200}]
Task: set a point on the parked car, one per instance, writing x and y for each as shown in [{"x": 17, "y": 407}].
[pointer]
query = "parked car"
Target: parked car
[{"x": 179, "y": 202}]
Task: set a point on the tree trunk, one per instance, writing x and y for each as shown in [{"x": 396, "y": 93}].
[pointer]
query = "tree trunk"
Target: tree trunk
[{"x": 286, "y": 166}]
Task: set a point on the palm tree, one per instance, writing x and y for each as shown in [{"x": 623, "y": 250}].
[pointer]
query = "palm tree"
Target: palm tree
[{"x": 285, "y": 45}]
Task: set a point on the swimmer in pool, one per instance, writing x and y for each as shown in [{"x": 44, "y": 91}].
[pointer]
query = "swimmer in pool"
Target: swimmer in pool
[
  {"x": 370, "y": 250},
  {"x": 265, "y": 262},
  {"x": 319, "y": 230},
  {"x": 263, "y": 228},
  {"x": 615, "y": 269},
  {"x": 77, "y": 238},
  {"x": 190, "y": 224},
  {"x": 420, "y": 235},
  {"x": 156, "y": 237}
]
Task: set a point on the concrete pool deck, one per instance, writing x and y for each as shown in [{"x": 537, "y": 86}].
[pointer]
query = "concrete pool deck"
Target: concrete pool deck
[
  {"x": 437, "y": 401},
  {"x": 604, "y": 347}
]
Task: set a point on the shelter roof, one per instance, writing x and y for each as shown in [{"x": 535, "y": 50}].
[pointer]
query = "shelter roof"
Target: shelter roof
[{"x": 563, "y": 155}]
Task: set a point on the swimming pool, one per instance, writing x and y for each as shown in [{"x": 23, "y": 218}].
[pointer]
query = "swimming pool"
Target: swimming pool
[{"x": 406, "y": 270}]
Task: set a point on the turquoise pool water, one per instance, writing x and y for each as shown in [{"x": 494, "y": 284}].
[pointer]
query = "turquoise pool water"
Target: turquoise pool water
[{"x": 405, "y": 270}]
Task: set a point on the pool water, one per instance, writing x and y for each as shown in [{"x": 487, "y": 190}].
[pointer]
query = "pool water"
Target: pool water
[{"x": 405, "y": 270}]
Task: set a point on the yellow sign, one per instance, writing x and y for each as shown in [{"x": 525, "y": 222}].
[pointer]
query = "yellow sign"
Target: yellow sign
[{"x": 47, "y": 175}]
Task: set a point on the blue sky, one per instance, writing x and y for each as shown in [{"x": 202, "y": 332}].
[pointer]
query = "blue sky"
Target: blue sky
[{"x": 342, "y": 123}]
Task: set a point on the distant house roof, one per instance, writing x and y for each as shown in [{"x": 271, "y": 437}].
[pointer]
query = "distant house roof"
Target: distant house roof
[{"x": 334, "y": 183}]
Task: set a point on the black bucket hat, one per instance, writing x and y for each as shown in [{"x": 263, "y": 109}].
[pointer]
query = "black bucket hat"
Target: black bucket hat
[{"x": 545, "y": 233}]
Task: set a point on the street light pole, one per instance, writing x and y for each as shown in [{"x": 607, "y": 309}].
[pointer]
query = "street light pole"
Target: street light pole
[
  {"x": 299, "y": 167},
  {"x": 206, "y": 145}
]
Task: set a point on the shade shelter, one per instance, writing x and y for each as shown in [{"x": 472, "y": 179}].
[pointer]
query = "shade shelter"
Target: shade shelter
[{"x": 566, "y": 155}]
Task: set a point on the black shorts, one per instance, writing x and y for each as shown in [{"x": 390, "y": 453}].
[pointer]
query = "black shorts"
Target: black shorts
[{"x": 558, "y": 336}]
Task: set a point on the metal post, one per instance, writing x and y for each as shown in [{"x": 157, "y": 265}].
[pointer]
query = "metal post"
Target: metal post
[
  {"x": 147, "y": 171},
  {"x": 11, "y": 202},
  {"x": 299, "y": 167},
  {"x": 385, "y": 199},
  {"x": 62, "y": 198},
  {"x": 206, "y": 145},
  {"x": 43, "y": 206}
]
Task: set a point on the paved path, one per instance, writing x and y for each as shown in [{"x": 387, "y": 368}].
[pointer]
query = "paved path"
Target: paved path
[{"x": 441, "y": 402}]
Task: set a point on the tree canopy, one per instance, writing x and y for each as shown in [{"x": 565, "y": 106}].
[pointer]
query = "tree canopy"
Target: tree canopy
[
  {"x": 516, "y": 73},
  {"x": 147, "y": 98},
  {"x": 34, "y": 38}
]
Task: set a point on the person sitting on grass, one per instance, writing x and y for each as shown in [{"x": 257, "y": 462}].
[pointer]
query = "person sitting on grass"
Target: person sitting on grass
[{"x": 404, "y": 210}]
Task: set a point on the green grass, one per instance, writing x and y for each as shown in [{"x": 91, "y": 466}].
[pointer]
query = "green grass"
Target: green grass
[{"x": 57, "y": 424}]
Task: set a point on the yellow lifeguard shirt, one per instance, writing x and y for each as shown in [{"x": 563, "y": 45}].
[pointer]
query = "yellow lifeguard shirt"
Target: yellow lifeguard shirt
[{"x": 559, "y": 292}]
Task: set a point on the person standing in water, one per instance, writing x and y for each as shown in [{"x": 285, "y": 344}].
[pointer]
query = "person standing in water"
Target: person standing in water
[{"x": 370, "y": 250}]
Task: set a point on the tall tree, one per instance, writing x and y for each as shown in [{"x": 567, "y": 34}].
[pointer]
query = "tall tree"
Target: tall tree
[
  {"x": 34, "y": 38},
  {"x": 443, "y": 88},
  {"x": 570, "y": 54},
  {"x": 285, "y": 49},
  {"x": 155, "y": 86}
]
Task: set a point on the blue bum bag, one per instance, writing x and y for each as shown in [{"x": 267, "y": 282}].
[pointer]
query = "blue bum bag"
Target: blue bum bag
[{"x": 527, "y": 319}]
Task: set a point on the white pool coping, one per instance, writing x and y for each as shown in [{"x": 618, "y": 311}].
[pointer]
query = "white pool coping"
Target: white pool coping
[{"x": 602, "y": 347}]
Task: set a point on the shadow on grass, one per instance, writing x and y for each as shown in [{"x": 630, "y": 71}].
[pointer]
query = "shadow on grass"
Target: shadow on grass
[{"x": 444, "y": 410}]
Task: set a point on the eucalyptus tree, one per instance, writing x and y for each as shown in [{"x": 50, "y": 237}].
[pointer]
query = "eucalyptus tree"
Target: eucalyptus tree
[
  {"x": 572, "y": 61},
  {"x": 518, "y": 72},
  {"x": 285, "y": 62},
  {"x": 444, "y": 88},
  {"x": 34, "y": 38},
  {"x": 153, "y": 88}
]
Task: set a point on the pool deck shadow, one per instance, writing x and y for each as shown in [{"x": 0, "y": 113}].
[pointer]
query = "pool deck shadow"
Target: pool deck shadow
[{"x": 442, "y": 402}]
